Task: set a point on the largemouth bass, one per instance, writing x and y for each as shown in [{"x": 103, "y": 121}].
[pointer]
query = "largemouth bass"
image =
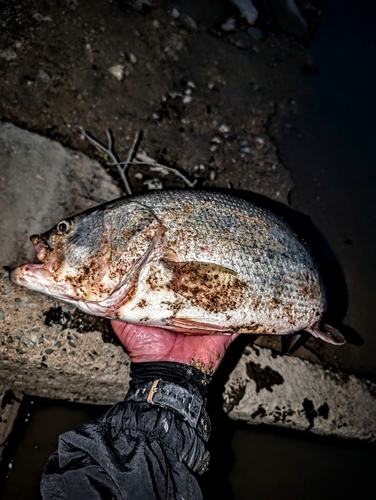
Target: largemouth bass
[{"x": 188, "y": 261}]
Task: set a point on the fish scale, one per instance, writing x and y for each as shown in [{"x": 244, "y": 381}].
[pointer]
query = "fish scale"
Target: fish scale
[{"x": 258, "y": 245}]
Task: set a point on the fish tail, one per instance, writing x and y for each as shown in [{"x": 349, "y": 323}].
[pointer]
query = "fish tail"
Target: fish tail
[{"x": 327, "y": 333}]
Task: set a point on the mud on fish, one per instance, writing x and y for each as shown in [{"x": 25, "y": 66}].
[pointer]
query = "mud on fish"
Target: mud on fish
[{"x": 189, "y": 261}]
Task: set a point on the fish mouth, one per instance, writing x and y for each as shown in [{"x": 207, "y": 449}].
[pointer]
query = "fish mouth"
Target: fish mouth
[
  {"x": 34, "y": 275},
  {"x": 42, "y": 247}
]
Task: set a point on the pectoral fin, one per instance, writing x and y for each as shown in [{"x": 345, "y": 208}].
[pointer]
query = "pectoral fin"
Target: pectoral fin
[
  {"x": 289, "y": 341},
  {"x": 190, "y": 326}
]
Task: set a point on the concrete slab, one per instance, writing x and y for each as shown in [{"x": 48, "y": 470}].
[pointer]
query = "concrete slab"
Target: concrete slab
[{"x": 269, "y": 388}]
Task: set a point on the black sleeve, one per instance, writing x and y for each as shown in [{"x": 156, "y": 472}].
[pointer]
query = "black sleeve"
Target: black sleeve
[{"x": 151, "y": 446}]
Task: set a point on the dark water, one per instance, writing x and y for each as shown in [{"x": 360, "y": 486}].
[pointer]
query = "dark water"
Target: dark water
[{"x": 331, "y": 155}]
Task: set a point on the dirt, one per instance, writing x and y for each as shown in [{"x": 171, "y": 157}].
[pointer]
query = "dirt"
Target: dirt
[
  {"x": 207, "y": 100},
  {"x": 81, "y": 322}
]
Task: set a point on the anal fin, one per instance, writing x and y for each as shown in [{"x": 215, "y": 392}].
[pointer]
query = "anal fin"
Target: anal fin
[{"x": 289, "y": 341}]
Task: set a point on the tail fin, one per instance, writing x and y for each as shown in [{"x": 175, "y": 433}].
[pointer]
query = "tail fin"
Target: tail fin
[{"x": 327, "y": 333}]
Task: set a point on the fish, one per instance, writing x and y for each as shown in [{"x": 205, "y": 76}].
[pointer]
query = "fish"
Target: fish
[{"x": 190, "y": 261}]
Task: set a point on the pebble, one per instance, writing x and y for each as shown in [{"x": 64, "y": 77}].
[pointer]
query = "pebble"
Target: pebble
[
  {"x": 187, "y": 99},
  {"x": 247, "y": 10},
  {"x": 229, "y": 25},
  {"x": 224, "y": 129},
  {"x": 39, "y": 17},
  {"x": 256, "y": 33},
  {"x": 2, "y": 315},
  {"x": 216, "y": 140},
  {"x": 212, "y": 175},
  {"x": 117, "y": 71},
  {"x": 156, "y": 23},
  {"x": 132, "y": 58},
  {"x": 44, "y": 76},
  {"x": 153, "y": 184},
  {"x": 30, "y": 342},
  {"x": 175, "y": 14},
  {"x": 188, "y": 22},
  {"x": 8, "y": 54}
]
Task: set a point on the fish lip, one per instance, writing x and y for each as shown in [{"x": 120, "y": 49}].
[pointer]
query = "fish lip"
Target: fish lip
[
  {"x": 34, "y": 276},
  {"x": 17, "y": 274},
  {"x": 42, "y": 247}
]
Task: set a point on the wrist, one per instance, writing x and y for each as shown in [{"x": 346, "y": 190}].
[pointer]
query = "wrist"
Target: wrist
[{"x": 188, "y": 377}]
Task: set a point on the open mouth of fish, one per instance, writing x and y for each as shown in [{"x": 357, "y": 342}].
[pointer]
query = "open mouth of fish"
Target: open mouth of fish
[{"x": 38, "y": 276}]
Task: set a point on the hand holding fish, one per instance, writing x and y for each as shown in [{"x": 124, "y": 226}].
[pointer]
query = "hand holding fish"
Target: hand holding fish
[{"x": 148, "y": 344}]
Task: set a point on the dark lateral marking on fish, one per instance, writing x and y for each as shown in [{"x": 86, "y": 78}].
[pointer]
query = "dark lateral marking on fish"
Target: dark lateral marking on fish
[
  {"x": 212, "y": 287},
  {"x": 251, "y": 328},
  {"x": 264, "y": 378}
]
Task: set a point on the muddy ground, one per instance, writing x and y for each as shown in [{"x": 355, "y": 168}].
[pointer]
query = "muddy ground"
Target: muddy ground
[{"x": 206, "y": 100}]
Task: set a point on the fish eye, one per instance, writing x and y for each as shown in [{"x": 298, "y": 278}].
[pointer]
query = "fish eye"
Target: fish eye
[{"x": 63, "y": 226}]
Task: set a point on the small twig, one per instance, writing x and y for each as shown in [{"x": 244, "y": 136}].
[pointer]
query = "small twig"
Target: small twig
[
  {"x": 133, "y": 151},
  {"x": 134, "y": 158},
  {"x": 110, "y": 151},
  {"x": 142, "y": 158},
  {"x": 158, "y": 167}
]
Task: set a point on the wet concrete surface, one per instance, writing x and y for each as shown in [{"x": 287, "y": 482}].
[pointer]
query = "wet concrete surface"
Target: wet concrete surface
[{"x": 328, "y": 149}]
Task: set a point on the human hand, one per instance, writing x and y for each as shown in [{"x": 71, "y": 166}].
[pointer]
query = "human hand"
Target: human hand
[{"x": 146, "y": 344}]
